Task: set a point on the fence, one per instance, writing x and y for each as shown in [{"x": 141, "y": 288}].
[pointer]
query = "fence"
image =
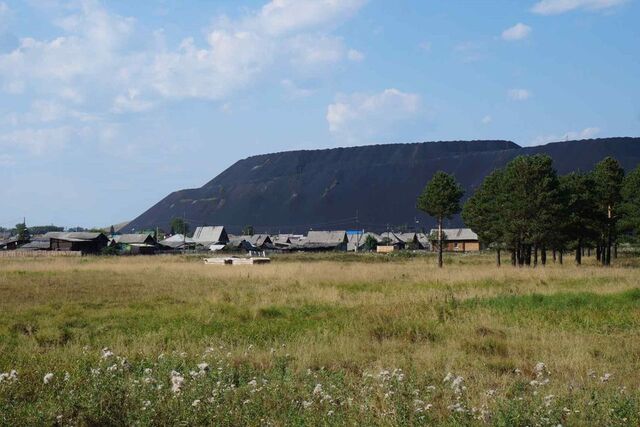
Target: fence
[{"x": 38, "y": 254}]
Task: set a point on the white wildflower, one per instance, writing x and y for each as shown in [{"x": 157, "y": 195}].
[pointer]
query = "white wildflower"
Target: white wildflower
[
  {"x": 67, "y": 376},
  {"x": 457, "y": 384},
  {"x": 195, "y": 403},
  {"x": 517, "y": 371},
  {"x": 457, "y": 407},
  {"x": 253, "y": 383},
  {"x": 148, "y": 371},
  {"x": 246, "y": 402},
  {"x": 11, "y": 376},
  {"x": 106, "y": 353},
  {"x": 48, "y": 378},
  {"x": 540, "y": 369},
  {"x": 431, "y": 388},
  {"x": 203, "y": 367},
  {"x": 491, "y": 392},
  {"x": 177, "y": 382},
  {"x": 317, "y": 389},
  {"x": 112, "y": 368},
  {"x": 330, "y": 413},
  {"x": 606, "y": 377},
  {"x": 95, "y": 372},
  {"x": 306, "y": 404}
]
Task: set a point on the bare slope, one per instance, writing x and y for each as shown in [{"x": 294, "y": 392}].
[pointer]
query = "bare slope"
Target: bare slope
[{"x": 297, "y": 190}]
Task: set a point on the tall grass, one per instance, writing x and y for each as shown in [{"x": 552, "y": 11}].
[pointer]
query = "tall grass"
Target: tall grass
[{"x": 318, "y": 339}]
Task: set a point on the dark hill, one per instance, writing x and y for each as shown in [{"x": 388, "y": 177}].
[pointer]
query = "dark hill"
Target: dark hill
[{"x": 325, "y": 189}]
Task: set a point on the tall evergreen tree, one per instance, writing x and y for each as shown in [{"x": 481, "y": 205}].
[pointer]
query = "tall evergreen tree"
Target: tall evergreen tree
[
  {"x": 531, "y": 204},
  {"x": 483, "y": 212},
  {"x": 609, "y": 176},
  {"x": 630, "y": 207},
  {"x": 441, "y": 200},
  {"x": 581, "y": 216}
]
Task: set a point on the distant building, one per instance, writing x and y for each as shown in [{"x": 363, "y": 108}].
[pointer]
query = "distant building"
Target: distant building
[
  {"x": 410, "y": 240},
  {"x": 323, "y": 241},
  {"x": 423, "y": 239},
  {"x": 208, "y": 236},
  {"x": 359, "y": 240},
  {"x": 142, "y": 243},
  {"x": 261, "y": 241},
  {"x": 12, "y": 243},
  {"x": 390, "y": 238},
  {"x": 85, "y": 242},
  {"x": 178, "y": 241},
  {"x": 457, "y": 240}
]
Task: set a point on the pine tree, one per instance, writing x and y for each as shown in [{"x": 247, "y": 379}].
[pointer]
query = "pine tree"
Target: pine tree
[
  {"x": 441, "y": 200},
  {"x": 483, "y": 212},
  {"x": 608, "y": 177},
  {"x": 581, "y": 216},
  {"x": 630, "y": 208}
]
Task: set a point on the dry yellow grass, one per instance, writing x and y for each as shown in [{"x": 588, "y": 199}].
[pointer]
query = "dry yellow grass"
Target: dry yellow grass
[{"x": 341, "y": 319}]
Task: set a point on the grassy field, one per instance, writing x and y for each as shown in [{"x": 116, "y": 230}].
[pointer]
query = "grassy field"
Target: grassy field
[{"x": 321, "y": 339}]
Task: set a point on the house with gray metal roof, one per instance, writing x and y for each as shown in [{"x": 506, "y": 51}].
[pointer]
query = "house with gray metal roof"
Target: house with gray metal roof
[
  {"x": 207, "y": 236},
  {"x": 456, "y": 240},
  {"x": 323, "y": 241}
]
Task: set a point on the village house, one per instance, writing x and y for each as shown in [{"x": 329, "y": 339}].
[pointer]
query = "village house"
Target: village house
[
  {"x": 410, "y": 240},
  {"x": 389, "y": 238},
  {"x": 457, "y": 240},
  {"x": 85, "y": 242},
  {"x": 260, "y": 241},
  {"x": 207, "y": 236},
  {"x": 142, "y": 243},
  {"x": 177, "y": 241},
  {"x": 358, "y": 241},
  {"x": 12, "y": 243},
  {"x": 323, "y": 241}
]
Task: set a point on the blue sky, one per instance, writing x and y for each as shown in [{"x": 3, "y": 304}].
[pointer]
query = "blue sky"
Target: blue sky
[{"x": 107, "y": 106}]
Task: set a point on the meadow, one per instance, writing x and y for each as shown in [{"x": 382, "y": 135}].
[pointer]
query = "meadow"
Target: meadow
[{"x": 318, "y": 340}]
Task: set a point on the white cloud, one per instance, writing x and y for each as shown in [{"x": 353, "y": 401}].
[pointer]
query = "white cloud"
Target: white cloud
[
  {"x": 40, "y": 141},
  {"x": 355, "y": 55},
  {"x": 102, "y": 62},
  {"x": 131, "y": 102},
  {"x": 517, "y": 32},
  {"x": 293, "y": 91},
  {"x": 280, "y": 17},
  {"x": 89, "y": 47},
  {"x": 95, "y": 48},
  {"x": 487, "y": 119},
  {"x": 555, "y": 7},
  {"x": 587, "y": 133},
  {"x": 519, "y": 94},
  {"x": 362, "y": 115}
]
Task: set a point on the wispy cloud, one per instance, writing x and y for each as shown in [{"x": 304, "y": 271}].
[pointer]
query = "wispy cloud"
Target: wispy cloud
[
  {"x": 517, "y": 32},
  {"x": 519, "y": 94},
  {"x": 555, "y": 7},
  {"x": 587, "y": 133},
  {"x": 357, "y": 116}
]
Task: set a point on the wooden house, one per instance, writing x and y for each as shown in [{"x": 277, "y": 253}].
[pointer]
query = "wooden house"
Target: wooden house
[
  {"x": 85, "y": 242},
  {"x": 457, "y": 240}
]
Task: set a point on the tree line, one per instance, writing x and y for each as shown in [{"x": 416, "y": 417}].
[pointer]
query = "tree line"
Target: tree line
[{"x": 527, "y": 209}]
